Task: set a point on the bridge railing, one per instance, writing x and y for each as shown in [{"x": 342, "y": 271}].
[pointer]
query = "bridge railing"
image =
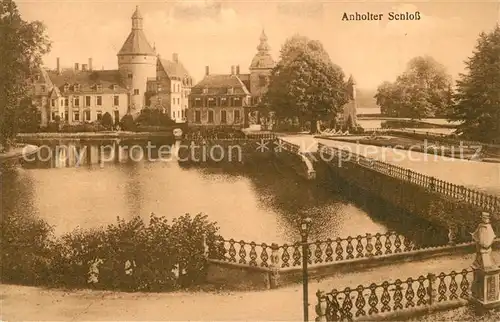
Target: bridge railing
[
  {"x": 476, "y": 198},
  {"x": 287, "y": 146},
  {"x": 400, "y": 295},
  {"x": 319, "y": 252}
]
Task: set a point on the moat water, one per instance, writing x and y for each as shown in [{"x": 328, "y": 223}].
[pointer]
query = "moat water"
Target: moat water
[{"x": 259, "y": 202}]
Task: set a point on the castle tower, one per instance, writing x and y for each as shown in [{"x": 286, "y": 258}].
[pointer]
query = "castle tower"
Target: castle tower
[
  {"x": 137, "y": 63},
  {"x": 261, "y": 67},
  {"x": 350, "y": 108}
]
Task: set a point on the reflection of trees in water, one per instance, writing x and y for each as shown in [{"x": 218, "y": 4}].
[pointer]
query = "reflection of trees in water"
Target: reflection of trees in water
[
  {"x": 17, "y": 194},
  {"x": 280, "y": 189}
]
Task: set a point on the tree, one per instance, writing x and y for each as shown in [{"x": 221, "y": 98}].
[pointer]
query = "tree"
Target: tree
[
  {"x": 127, "y": 123},
  {"x": 423, "y": 90},
  {"x": 22, "y": 46},
  {"x": 107, "y": 121},
  {"x": 154, "y": 117},
  {"x": 478, "y": 91},
  {"x": 305, "y": 84}
]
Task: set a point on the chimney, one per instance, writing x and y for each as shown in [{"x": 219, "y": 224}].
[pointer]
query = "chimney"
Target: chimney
[
  {"x": 175, "y": 57},
  {"x": 90, "y": 63},
  {"x": 207, "y": 70},
  {"x": 77, "y": 66},
  {"x": 58, "y": 68},
  {"x": 84, "y": 67},
  {"x": 232, "y": 70},
  {"x": 237, "y": 69}
]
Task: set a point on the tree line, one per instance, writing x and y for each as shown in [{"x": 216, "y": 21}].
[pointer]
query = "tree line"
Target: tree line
[{"x": 305, "y": 86}]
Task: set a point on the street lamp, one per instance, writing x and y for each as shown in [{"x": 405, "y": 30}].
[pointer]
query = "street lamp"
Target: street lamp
[{"x": 305, "y": 225}]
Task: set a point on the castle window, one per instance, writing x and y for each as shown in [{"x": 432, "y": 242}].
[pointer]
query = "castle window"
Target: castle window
[
  {"x": 77, "y": 101},
  {"x": 116, "y": 100},
  {"x": 87, "y": 100},
  {"x": 211, "y": 102},
  {"x": 237, "y": 115},
  {"x": 76, "y": 116},
  {"x": 66, "y": 102},
  {"x": 43, "y": 88},
  {"x": 197, "y": 102},
  {"x": 205, "y": 91},
  {"x": 99, "y": 87},
  {"x": 76, "y": 87},
  {"x": 99, "y": 115},
  {"x": 230, "y": 91},
  {"x": 130, "y": 75},
  {"x": 136, "y": 91},
  {"x": 210, "y": 116},
  {"x": 87, "y": 115},
  {"x": 66, "y": 87},
  {"x": 53, "y": 103},
  {"x": 115, "y": 87},
  {"x": 99, "y": 100},
  {"x": 197, "y": 116},
  {"x": 223, "y": 117}
]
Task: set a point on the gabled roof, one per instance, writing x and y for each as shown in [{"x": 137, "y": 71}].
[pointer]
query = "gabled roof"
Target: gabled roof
[
  {"x": 174, "y": 69},
  {"x": 136, "y": 44},
  {"x": 218, "y": 84},
  {"x": 88, "y": 80}
]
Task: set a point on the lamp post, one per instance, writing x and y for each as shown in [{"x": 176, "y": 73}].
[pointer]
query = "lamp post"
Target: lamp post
[{"x": 305, "y": 225}]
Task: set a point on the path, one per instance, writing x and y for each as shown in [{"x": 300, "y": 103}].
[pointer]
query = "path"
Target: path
[
  {"x": 481, "y": 176},
  {"x": 284, "y": 304}
]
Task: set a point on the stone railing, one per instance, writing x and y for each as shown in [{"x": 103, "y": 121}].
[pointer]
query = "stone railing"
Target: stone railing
[
  {"x": 261, "y": 136},
  {"x": 320, "y": 252},
  {"x": 401, "y": 295},
  {"x": 476, "y": 198}
]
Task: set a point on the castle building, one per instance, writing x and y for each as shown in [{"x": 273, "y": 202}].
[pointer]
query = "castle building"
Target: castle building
[
  {"x": 232, "y": 99},
  {"x": 170, "y": 90},
  {"x": 83, "y": 95}
]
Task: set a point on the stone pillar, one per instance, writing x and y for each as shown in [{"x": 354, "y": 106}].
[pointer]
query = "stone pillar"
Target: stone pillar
[
  {"x": 321, "y": 307},
  {"x": 274, "y": 275},
  {"x": 485, "y": 286}
]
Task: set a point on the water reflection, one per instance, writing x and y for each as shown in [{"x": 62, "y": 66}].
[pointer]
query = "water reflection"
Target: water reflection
[{"x": 88, "y": 186}]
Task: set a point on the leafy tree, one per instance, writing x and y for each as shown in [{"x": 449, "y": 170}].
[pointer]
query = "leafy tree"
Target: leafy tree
[
  {"x": 127, "y": 123},
  {"x": 154, "y": 117},
  {"x": 107, "y": 121},
  {"x": 305, "y": 84},
  {"x": 28, "y": 117},
  {"x": 423, "y": 90},
  {"x": 478, "y": 91},
  {"x": 22, "y": 46}
]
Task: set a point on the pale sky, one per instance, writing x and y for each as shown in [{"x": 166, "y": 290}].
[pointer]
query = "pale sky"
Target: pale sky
[{"x": 225, "y": 33}]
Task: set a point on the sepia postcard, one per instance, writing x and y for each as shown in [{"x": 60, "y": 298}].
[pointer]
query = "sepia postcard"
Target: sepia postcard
[{"x": 187, "y": 160}]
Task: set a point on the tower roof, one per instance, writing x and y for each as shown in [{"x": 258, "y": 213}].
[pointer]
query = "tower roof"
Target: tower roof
[
  {"x": 263, "y": 58},
  {"x": 136, "y": 43},
  {"x": 137, "y": 14}
]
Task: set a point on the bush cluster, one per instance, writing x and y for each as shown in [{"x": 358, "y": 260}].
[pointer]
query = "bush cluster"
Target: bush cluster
[{"x": 126, "y": 256}]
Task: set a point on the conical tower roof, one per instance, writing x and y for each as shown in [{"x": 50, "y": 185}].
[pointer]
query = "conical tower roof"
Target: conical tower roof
[
  {"x": 263, "y": 58},
  {"x": 136, "y": 43}
]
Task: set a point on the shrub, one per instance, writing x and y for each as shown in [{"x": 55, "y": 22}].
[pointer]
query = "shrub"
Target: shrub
[
  {"x": 128, "y": 255},
  {"x": 107, "y": 121},
  {"x": 127, "y": 123}
]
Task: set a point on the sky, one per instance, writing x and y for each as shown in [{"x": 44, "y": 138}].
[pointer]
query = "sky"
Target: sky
[{"x": 224, "y": 33}]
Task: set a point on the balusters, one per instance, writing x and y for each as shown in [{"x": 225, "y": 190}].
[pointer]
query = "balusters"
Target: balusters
[
  {"x": 442, "y": 288},
  {"x": 242, "y": 253},
  {"x": 398, "y": 295},
  {"x": 385, "y": 299},
  {"x": 297, "y": 256},
  {"x": 264, "y": 256},
  {"x": 349, "y": 248},
  {"x": 360, "y": 302},
  {"x": 318, "y": 252},
  {"x": 339, "y": 250},
  {"x": 347, "y": 304},
  {"x": 421, "y": 291},
  {"x": 285, "y": 257},
  {"x": 369, "y": 246},
  {"x": 388, "y": 243},
  {"x": 378, "y": 245},
  {"x": 410, "y": 294},
  {"x": 329, "y": 251},
  {"x": 359, "y": 246},
  {"x": 373, "y": 299},
  {"x": 253, "y": 254},
  {"x": 232, "y": 251},
  {"x": 397, "y": 243},
  {"x": 453, "y": 286},
  {"x": 464, "y": 285}
]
